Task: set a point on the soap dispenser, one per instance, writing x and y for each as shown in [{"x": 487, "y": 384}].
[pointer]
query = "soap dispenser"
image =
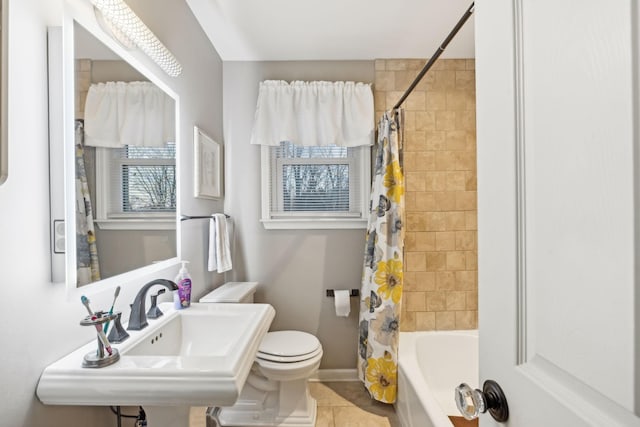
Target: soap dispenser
[{"x": 183, "y": 297}]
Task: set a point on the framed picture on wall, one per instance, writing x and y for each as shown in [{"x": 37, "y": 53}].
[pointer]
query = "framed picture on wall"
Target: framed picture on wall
[{"x": 208, "y": 164}]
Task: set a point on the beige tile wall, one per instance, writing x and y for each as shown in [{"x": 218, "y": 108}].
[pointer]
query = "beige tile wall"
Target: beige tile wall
[
  {"x": 441, "y": 273},
  {"x": 83, "y": 81}
]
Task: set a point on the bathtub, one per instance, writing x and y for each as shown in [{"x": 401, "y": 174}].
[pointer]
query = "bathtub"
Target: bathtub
[{"x": 431, "y": 366}]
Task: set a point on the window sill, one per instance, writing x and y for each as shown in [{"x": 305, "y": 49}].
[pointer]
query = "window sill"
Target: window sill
[
  {"x": 314, "y": 223},
  {"x": 137, "y": 224}
]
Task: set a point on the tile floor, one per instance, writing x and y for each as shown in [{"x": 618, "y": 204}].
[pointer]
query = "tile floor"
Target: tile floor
[{"x": 340, "y": 404}]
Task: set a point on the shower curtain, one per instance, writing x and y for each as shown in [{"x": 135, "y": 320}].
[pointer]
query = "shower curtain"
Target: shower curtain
[
  {"x": 382, "y": 276},
  {"x": 88, "y": 267}
]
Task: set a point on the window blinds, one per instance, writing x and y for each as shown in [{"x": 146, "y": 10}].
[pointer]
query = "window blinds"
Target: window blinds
[
  {"x": 142, "y": 179},
  {"x": 314, "y": 181}
]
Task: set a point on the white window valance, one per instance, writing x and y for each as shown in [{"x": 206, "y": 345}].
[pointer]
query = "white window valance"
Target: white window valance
[
  {"x": 314, "y": 113},
  {"x": 133, "y": 113}
]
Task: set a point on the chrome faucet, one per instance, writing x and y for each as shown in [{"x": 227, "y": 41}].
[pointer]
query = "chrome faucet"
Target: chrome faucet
[{"x": 138, "y": 318}]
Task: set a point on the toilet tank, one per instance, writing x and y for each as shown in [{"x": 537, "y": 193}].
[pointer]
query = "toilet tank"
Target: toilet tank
[{"x": 240, "y": 292}]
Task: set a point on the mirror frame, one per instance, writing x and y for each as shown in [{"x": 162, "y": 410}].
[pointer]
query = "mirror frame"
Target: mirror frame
[
  {"x": 4, "y": 122},
  {"x": 82, "y": 12}
]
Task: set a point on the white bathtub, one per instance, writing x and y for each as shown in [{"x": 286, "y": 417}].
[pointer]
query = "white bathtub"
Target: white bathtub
[{"x": 431, "y": 366}]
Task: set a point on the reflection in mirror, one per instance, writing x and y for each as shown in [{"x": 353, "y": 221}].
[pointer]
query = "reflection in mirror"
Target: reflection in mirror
[{"x": 125, "y": 165}]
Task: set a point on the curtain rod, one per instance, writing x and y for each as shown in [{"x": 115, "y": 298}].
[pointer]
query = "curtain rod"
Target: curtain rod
[{"x": 436, "y": 55}]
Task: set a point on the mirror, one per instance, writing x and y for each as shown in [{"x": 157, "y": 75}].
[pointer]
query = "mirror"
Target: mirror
[
  {"x": 120, "y": 173},
  {"x": 126, "y": 194}
]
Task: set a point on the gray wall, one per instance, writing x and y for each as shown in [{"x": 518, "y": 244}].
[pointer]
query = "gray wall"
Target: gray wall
[
  {"x": 103, "y": 71},
  {"x": 38, "y": 323},
  {"x": 294, "y": 267}
]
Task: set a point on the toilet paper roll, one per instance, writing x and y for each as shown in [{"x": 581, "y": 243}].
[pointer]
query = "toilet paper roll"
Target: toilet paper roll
[{"x": 342, "y": 301}]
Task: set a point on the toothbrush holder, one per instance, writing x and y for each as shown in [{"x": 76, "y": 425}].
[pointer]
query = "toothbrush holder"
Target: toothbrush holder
[{"x": 99, "y": 358}]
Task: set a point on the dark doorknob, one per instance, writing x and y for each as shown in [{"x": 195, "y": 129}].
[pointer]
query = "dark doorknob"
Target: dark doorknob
[{"x": 471, "y": 403}]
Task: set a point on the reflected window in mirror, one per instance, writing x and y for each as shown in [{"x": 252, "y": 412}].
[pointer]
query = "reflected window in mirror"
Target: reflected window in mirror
[
  {"x": 131, "y": 126},
  {"x": 136, "y": 182}
]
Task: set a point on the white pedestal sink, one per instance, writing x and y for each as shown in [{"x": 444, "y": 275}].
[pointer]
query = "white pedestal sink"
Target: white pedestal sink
[{"x": 199, "y": 356}]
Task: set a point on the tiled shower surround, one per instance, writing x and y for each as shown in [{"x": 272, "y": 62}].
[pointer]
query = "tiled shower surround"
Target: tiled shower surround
[
  {"x": 82, "y": 83},
  {"x": 441, "y": 268}
]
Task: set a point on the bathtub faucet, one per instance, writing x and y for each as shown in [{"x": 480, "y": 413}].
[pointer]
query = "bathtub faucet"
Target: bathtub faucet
[{"x": 138, "y": 318}]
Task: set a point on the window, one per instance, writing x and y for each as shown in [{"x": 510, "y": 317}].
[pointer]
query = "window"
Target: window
[
  {"x": 314, "y": 186},
  {"x": 136, "y": 187}
]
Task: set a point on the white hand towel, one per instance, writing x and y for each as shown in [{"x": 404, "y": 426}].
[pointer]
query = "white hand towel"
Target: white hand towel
[{"x": 219, "y": 247}]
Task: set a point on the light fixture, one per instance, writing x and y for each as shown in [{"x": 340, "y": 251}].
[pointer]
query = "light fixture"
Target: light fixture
[{"x": 125, "y": 24}]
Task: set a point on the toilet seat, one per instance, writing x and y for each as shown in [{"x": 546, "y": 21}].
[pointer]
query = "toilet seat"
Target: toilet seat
[{"x": 288, "y": 347}]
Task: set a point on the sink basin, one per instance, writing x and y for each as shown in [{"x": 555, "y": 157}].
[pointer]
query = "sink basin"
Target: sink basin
[
  {"x": 200, "y": 356},
  {"x": 185, "y": 335}
]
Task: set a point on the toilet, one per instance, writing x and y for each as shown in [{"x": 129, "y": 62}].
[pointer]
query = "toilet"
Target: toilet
[{"x": 276, "y": 392}]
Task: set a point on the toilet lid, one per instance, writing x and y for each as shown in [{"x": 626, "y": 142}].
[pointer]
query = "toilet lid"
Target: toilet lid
[{"x": 288, "y": 345}]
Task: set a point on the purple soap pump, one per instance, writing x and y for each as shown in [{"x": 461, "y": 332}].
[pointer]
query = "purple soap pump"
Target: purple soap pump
[{"x": 182, "y": 297}]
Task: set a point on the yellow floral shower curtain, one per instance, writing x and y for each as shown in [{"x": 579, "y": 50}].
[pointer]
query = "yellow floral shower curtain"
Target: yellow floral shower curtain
[
  {"x": 88, "y": 267},
  {"x": 383, "y": 269}
]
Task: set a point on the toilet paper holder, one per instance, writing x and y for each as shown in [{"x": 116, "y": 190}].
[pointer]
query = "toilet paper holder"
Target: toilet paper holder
[{"x": 353, "y": 293}]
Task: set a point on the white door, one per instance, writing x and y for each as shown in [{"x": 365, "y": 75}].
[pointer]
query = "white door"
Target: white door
[{"x": 558, "y": 206}]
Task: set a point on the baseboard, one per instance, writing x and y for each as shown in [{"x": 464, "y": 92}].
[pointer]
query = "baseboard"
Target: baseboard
[{"x": 327, "y": 375}]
